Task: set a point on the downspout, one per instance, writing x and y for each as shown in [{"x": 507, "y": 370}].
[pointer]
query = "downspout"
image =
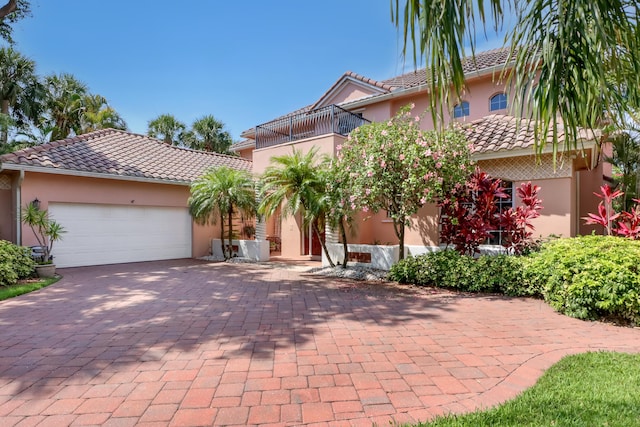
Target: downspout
[{"x": 18, "y": 209}]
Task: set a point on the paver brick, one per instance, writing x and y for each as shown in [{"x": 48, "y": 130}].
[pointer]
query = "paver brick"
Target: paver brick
[{"x": 184, "y": 342}]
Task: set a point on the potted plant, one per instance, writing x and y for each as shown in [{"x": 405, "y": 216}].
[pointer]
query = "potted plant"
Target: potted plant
[{"x": 46, "y": 231}]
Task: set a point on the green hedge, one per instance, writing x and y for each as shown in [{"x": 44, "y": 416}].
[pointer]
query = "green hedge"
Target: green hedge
[
  {"x": 449, "y": 269},
  {"x": 15, "y": 263},
  {"x": 590, "y": 277},
  {"x": 587, "y": 277}
]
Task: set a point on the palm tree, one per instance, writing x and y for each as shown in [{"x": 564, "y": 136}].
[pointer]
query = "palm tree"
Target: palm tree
[
  {"x": 64, "y": 104},
  {"x": 581, "y": 51},
  {"x": 166, "y": 127},
  {"x": 219, "y": 192},
  {"x": 11, "y": 12},
  {"x": 208, "y": 134},
  {"x": 98, "y": 114},
  {"x": 18, "y": 83},
  {"x": 295, "y": 184}
]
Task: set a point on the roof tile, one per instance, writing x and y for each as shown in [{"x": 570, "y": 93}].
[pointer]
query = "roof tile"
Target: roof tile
[{"x": 123, "y": 154}]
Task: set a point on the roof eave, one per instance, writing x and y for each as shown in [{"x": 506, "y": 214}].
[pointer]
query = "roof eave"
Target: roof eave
[
  {"x": 529, "y": 151},
  {"x": 86, "y": 174}
]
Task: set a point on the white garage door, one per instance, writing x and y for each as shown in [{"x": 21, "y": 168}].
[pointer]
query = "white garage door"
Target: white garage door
[{"x": 111, "y": 234}]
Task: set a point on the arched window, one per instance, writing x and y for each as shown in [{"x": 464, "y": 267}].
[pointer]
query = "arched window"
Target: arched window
[
  {"x": 461, "y": 110},
  {"x": 498, "y": 102}
]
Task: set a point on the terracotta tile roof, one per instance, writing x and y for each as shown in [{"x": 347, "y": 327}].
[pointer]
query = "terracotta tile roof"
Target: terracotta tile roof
[
  {"x": 499, "y": 132},
  {"x": 483, "y": 61},
  {"x": 122, "y": 154},
  {"x": 241, "y": 145}
]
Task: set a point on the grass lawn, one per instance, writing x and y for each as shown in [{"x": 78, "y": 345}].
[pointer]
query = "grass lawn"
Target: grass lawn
[
  {"x": 591, "y": 389},
  {"x": 24, "y": 287}
]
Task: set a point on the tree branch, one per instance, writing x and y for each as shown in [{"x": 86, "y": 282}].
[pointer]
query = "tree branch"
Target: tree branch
[{"x": 8, "y": 8}]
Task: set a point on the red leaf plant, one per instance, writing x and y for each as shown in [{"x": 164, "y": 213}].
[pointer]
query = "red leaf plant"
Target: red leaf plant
[
  {"x": 470, "y": 213},
  {"x": 517, "y": 228},
  {"x": 625, "y": 223}
]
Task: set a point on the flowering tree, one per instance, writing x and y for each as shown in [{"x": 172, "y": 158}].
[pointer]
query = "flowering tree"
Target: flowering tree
[{"x": 397, "y": 167}]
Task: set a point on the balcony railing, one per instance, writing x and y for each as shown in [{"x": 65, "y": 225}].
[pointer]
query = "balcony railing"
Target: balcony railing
[{"x": 330, "y": 119}]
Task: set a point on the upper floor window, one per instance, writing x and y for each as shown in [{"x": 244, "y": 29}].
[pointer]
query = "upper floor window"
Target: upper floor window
[
  {"x": 461, "y": 110},
  {"x": 498, "y": 102}
]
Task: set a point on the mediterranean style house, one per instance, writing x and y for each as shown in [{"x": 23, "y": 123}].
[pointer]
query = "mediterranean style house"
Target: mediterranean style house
[
  {"x": 123, "y": 197},
  {"x": 503, "y": 147}
]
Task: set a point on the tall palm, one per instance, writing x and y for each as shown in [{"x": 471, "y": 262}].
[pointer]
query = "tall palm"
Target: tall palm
[
  {"x": 295, "y": 184},
  {"x": 222, "y": 192},
  {"x": 208, "y": 134},
  {"x": 581, "y": 50},
  {"x": 18, "y": 83},
  {"x": 98, "y": 114},
  {"x": 64, "y": 104},
  {"x": 167, "y": 128}
]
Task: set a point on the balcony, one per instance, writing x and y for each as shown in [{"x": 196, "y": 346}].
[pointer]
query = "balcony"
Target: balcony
[{"x": 326, "y": 120}]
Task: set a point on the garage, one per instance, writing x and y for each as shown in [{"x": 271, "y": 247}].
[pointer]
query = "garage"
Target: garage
[{"x": 112, "y": 234}]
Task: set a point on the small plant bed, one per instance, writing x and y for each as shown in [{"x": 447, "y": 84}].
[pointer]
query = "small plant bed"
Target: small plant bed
[
  {"x": 590, "y": 389},
  {"x": 25, "y": 286}
]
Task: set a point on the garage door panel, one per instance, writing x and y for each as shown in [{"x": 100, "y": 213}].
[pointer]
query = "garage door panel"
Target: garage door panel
[{"x": 110, "y": 234}]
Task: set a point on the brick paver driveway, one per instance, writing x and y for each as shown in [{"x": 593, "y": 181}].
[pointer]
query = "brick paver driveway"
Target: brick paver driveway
[{"x": 189, "y": 343}]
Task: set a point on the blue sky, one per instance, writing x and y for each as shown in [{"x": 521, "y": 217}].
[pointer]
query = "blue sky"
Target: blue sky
[{"x": 244, "y": 62}]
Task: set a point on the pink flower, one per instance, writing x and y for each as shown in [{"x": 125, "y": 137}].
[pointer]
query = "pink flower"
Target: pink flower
[
  {"x": 413, "y": 105},
  {"x": 369, "y": 174},
  {"x": 417, "y": 118},
  {"x": 383, "y": 164},
  {"x": 365, "y": 209},
  {"x": 339, "y": 147},
  {"x": 384, "y": 133},
  {"x": 427, "y": 153},
  {"x": 438, "y": 165},
  {"x": 401, "y": 157},
  {"x": 423, "y": 200},
  {"x": 367, "y": 191},
  {"x": 463, "y": 167},
  {"x": 353, "y": 205},
  {"x": 352, "y": 198},
  {"x": 389, "y": 123}
]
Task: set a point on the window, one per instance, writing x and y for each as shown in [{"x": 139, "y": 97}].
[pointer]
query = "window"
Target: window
[
  {"x": 461, "y": 110},
  {"x": 498, "y": 102},
  {"x": 503, "y": 205}
]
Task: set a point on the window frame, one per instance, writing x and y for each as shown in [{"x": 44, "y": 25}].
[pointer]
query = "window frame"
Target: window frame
[
  {"x": 462, "y": 109},
  {"x": 503, "y": 101}
]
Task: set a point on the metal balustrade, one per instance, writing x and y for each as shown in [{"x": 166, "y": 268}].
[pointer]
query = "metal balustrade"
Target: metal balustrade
[{"x": 326, "y": 120}]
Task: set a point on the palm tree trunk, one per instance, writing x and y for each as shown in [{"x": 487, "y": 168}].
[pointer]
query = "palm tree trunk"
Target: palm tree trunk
[
  {"x": 322, "y": 243},
  {"x": 230, "y": 218},
  {"x": 345, "y": 244},
  {"x": 224, "y": 252}
]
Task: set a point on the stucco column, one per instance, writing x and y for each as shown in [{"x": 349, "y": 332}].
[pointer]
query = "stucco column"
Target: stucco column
[{"x": 261, "y": 236}]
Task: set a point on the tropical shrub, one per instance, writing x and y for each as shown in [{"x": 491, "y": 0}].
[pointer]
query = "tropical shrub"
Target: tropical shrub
[
  {"x": 589, "y": 277},
  {"x": 15, "y": 263},
  {"x": 450, "y": 269},
  {"x": 624, "y": 223},
  {"x": 470, "y": 213}
]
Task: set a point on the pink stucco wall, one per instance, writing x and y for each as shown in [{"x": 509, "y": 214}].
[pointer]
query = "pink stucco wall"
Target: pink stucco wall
[
  {"x": 72, "y": 189},
  {"x": 7, "y": 212},
  {"x": 348, "y": 92}
]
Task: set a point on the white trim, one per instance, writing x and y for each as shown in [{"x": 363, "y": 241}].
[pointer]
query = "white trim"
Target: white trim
[
  {"x": 86, "y": 174},
  {"x": 340, "y": 84}
]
